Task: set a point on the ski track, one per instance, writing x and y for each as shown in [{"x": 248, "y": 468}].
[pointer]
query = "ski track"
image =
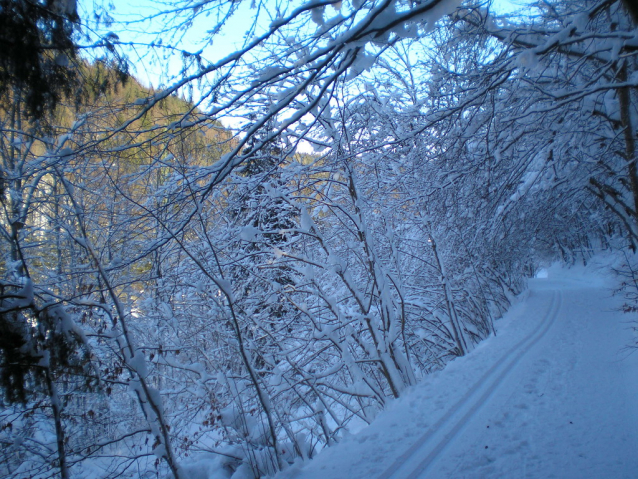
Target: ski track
[
  {"x": 560, "y": 403},
  {"x": 569, "y": 412},
  {"x": 449, "y": 426}
]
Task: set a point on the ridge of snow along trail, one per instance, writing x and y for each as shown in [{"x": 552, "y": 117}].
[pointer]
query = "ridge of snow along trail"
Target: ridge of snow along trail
[{"x": 553, "y": 395}]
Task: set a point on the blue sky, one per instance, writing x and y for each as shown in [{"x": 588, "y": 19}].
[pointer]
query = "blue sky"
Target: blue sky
[
  {"x": 128, "y": 26},
  {"x": 147, "y": 69}
]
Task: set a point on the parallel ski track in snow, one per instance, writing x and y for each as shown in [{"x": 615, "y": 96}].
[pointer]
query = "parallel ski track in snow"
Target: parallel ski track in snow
[{"x": 437, "y": 437}]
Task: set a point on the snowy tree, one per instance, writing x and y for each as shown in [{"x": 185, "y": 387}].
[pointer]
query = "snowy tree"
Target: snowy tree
[
  {"x": 563, "y": 100},
  {"x": 192, "y": 295}
]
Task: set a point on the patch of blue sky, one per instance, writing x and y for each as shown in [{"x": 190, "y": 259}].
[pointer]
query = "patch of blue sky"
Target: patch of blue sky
[
  {"x": 166, "y": 25},
  {"x": 153, "y": 34}
]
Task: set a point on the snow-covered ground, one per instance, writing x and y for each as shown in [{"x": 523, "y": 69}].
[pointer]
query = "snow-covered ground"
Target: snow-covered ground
[{"x": 554, "y": 394}]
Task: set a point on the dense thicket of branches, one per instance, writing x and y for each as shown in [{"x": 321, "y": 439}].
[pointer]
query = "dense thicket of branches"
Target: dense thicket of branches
[{"x": 182, "y": 298}]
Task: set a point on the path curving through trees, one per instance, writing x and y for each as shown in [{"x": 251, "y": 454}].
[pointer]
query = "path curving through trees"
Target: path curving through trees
[
  {"x": 430, "y": 446},
  {"x": 561, "y": 402}
]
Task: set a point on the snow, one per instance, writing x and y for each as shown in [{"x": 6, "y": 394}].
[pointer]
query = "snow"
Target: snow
[
  {"x": 138, "y": 363},
  {"x": 226, "y": 288},
  {"x": 206, "y": 468},
  {"x": 438, "y": 11},
  {"x": 362, "y": 62},
  {"x": 249, "y": 233},
  {"x": 552, "y": 395},
  {"x": 317, "y": 15},
  {"x": 306, "y": 220}
]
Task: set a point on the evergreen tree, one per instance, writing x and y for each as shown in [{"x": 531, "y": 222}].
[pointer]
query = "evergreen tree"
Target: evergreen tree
[{"x": 36, "y": 50}]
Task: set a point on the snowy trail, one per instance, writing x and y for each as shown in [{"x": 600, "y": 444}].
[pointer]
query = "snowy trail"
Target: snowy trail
[
  {"x": 449, "y": 426},
  {"x": 571, "y": 408},
  {"x": 561, "y": 402}
]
